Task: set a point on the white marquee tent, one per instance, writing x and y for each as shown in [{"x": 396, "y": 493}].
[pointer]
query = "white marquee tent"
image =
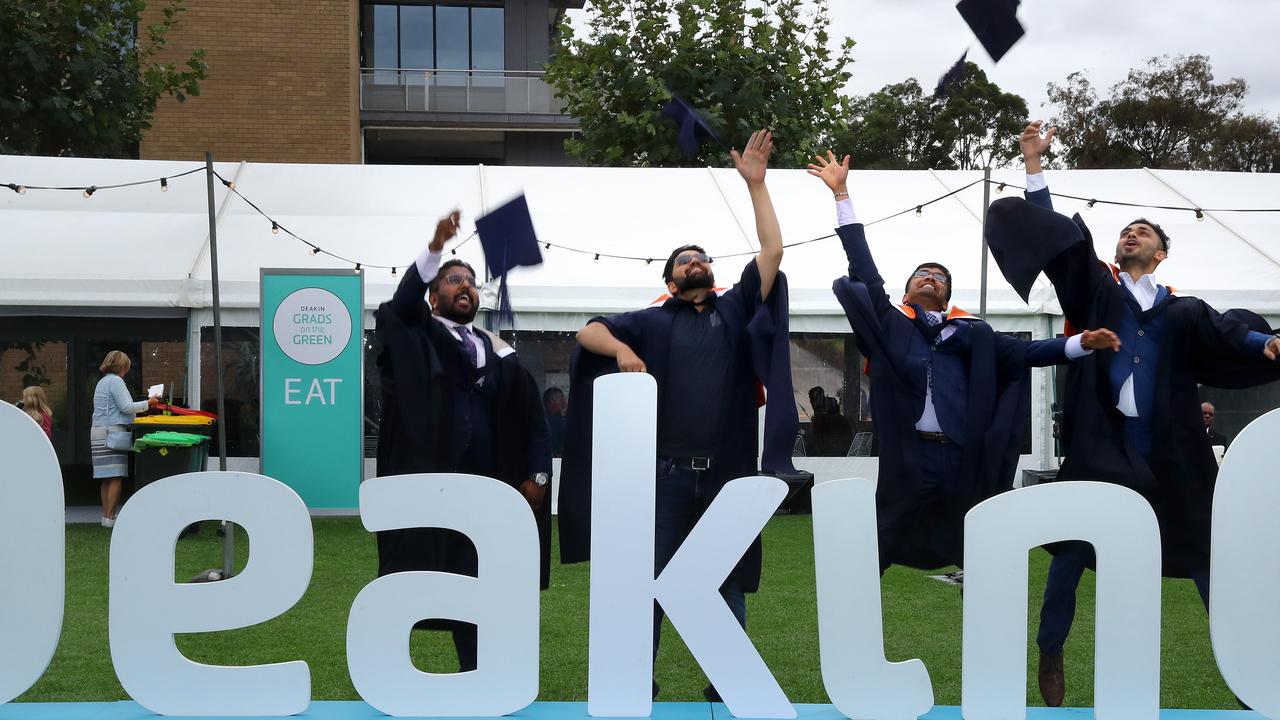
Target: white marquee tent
[{"x": 127, "y": 250}]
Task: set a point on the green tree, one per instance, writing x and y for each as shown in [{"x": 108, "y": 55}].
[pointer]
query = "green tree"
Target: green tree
[
  {"x": 744, "y": 66},
  {"x": 1170, "y": 114},
  {"x": 82, "y": 77},
  {"x": 900, "y": 128}
]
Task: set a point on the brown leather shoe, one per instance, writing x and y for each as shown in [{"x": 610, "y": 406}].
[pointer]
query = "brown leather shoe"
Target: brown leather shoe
[{"x": 1053, "y": 683}]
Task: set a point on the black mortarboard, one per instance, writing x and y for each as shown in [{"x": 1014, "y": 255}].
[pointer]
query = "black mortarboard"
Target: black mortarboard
[
  {"x": 950, "y": 77},
  {"x": 994, "y": 22},
  {"x": 507, "y": 236},
  {"x": 693, "y": 129},
  {"x": 1024, "y": 238}
]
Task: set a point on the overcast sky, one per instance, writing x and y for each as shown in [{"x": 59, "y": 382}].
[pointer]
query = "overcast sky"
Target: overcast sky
[{"x": 897, "y": 39}]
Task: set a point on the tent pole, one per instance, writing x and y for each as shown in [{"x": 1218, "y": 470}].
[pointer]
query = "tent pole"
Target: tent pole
[
  {"x": 228, "y": 530},
  {"x": 986, "y": 205}
]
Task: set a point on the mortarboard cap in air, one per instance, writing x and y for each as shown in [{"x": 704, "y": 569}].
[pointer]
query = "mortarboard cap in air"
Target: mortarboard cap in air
[
  {"x": 950, "y": 77},
  {"x": 507, "y": 236},
  {"x": 693, "y": 129},
  {"x": 994, "y": 22}
]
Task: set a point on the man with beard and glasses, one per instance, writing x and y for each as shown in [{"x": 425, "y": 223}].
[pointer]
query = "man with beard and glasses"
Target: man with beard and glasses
[
  {"x": 707, "y": 351},
  {"x": 1133, "y": 417},
  {"x": 455, "y": 399},
  {"x": 948, "y": 393}
]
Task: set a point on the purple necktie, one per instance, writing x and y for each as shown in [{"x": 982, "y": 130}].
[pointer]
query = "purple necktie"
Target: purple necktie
[{"x": 468, "y": 346}]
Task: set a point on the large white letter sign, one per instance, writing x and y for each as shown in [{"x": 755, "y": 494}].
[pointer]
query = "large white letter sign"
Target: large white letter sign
[
  {"x": 1242, "y": 601},
  {"x": 502, "y": 601},
  {"x": 998, "y": 533},
  {"x": 32, "y": 560},
  {"x": 147, "y": 607},
  {"x": 623, "y": 588},
  {"x": 850, "y": 632}
]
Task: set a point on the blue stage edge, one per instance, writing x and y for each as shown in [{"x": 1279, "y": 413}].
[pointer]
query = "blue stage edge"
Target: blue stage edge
[{"x": 353, "y": 710}]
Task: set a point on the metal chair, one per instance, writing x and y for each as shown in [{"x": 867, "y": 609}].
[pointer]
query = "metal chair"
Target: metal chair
[{"x": 861, "y": 445}]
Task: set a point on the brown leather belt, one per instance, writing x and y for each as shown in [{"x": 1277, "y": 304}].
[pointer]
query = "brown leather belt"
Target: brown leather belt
[{"x": 933, "y": 437}]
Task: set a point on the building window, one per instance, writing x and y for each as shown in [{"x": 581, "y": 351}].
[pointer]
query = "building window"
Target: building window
[{"x": 427, "y": 37}]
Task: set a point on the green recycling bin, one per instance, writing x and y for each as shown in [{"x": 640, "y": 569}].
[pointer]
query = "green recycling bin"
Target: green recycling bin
[{"x": 161, "y": 454}]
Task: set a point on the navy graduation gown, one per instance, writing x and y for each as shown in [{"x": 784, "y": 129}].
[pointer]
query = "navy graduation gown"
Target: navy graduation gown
[
  {"x": 924, "y": 530},
  {"x": 427, "y": 393},
  {"x": 761, "y": 347},
  {"x": 1196, "y": 345}
]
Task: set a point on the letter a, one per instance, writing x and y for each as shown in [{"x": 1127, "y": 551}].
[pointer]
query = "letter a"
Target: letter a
[{"x": 623, "y": 588}]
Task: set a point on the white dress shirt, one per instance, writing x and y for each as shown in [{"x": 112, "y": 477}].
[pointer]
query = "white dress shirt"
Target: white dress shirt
[
  {"x": 428, "y": 265},
  {"x": 1144, "y": 291}
]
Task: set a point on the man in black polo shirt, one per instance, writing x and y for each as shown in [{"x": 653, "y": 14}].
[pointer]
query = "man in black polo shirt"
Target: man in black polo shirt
[{"x": 706, "y": 350}]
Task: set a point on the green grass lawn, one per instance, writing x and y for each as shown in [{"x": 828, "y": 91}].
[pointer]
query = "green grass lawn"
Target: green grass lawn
[{"x": 922, "y": 620}]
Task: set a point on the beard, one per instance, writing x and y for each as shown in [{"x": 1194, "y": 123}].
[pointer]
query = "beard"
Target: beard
[
  {"x": 459, "y": 315},
  {"x": 695, "y": 282}
]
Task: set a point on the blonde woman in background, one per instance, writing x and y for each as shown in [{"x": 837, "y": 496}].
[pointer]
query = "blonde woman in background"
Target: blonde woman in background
[
  {"x": 113, "y": 411},
  {"x": 36, "y": 404}
]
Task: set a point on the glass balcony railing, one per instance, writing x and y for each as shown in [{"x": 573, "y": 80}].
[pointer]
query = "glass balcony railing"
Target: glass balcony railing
[{"x": 457, "y": 91}]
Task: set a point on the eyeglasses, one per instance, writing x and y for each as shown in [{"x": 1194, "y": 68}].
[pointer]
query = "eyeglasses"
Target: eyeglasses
[
  {"x": 926, "y": 274},
  {"x": 455, "y": 279},
  {"x": 700, "y": 257}
]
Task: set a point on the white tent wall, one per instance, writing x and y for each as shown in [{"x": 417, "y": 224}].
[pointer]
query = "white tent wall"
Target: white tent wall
[{"x": 139, "y": 248}]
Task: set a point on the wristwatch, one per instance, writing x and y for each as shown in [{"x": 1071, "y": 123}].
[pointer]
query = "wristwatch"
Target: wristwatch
[{"x": 541, "y": 479}]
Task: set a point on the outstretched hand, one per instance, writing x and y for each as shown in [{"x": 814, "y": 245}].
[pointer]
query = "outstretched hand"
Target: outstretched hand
[
  {"x": 1032, "y": 143},
  {"x": 833, "y": 173},
  {"x": 1272, "y": 348},
  {"x": 446, "y": 230},
  {"x": 754, "y": 159},
  {"x": 1100, "y": 339}
]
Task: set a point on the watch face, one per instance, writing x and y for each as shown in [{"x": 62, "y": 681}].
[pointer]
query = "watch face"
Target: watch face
[{"x": 540, "y": 479}]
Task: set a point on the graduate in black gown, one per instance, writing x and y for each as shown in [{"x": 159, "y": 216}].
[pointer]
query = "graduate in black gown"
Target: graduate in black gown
[
  {"x": 707, "y": 351},
  {"x": 1131, "y": 417},
  {"x": 455, "y": 399},
  {"x": 948, "y": 395}
]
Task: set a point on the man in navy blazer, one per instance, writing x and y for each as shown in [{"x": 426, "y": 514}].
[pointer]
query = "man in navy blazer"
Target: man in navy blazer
[
  {"x": 948, "y": 395},
  {"x": 1134, "y": 417}
]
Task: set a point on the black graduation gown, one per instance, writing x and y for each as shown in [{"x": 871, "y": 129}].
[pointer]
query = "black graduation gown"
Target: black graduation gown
[
  {"x": 929, "y": 532},
  {"x": 759, "y": 332},
  {"x": 424, "y": 372},
  {"x": 1198, "y": 345}
]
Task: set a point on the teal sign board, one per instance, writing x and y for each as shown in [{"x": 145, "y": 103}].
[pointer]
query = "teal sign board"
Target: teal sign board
[{"x": 313, "y": 383}]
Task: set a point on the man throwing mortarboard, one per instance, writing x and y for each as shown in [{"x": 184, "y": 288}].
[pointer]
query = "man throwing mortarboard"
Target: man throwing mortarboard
[
  {"x": 455, "y": 399},
  {"x": 706, "y": 351},
  {"x": 948, "y": 394},
  {"x": 1132, "y": 417}
]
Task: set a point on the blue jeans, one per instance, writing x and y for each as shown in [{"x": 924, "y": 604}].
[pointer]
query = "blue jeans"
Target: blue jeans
[
  {"x": 683, "y": 494},
  {"x": 1058, "y": 609}
]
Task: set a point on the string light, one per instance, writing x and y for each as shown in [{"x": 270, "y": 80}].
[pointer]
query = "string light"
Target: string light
[
  {"x": 357, "y": 266},
  {"x": 231, "y": 184},
  {"x": 20, "y": 189},
  {"x": 164, "y": 184},
  {"x": 275, "y": 228},
  {"x": 919, "y": 210},
  {"x": 1000, "y": 188},
  {"x": 547, "y": 246},
  {"x": 648, "y": 261},
  {"x": 89, "y": 191},
  {"x": 315, "y": 250},
  {"x": 597, "y": 257},
  {"x": 393, "y": 271},
  {"x": 1199, "y": 215},
  {"x": 1091, "y": 203}
]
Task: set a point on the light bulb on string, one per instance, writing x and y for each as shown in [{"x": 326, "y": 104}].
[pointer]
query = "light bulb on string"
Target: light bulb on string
[
  {"x": 231, "y": 184},
  {"x": 919, "y": 210},
  {"x": 597, "y": 257},
  {"x": 1000, "y": 188},
  {"x": 357, "y": 267},
  {"x": 275, "y": 228},
  {"x": 315, "y": 250},
  {"x": 1199, "y": 215},
  {"x": 393, "y": 271},
  {"x": 547, "y": 246},
  {"x": 89, "y": 191},
  {"x": 20, "y": 189},
  {"x": 1091, "y": 203},
  {"x": 164, "y": 184}
]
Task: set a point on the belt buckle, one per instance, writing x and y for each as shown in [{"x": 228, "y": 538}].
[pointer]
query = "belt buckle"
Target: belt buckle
[{"x": 700, "y": 463}]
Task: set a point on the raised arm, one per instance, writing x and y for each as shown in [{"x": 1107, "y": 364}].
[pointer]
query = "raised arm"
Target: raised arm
[
  {"x": 1033, "y": 146},
  {"x": 410, "y": 295},
  {"x": 751, "y": 165},
  {"x": 862, "y": 266}
]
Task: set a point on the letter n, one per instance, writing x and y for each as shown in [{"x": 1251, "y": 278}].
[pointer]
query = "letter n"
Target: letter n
[{"x": 998, "y": 533}]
